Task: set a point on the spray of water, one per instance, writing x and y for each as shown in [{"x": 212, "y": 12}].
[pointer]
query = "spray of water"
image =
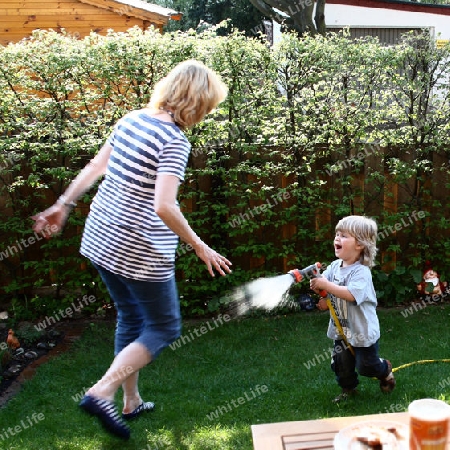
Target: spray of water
[{"x": 263, "y": 293}]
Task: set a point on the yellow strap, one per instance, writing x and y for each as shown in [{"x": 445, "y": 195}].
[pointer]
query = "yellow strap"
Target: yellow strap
[{"x": 338, "y": 325}]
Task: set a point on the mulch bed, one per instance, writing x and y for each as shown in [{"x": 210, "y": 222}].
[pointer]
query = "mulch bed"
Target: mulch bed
[
  {"x": 14, "y": 361},
  {"x": 36, "y": 348}
]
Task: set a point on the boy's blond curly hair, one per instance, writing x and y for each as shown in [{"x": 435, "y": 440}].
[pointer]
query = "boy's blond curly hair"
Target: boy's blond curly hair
[{"x": 364, "y": 230}]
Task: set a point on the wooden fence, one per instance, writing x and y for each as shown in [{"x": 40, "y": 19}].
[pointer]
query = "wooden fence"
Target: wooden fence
[{"x": 419, "y": 223}]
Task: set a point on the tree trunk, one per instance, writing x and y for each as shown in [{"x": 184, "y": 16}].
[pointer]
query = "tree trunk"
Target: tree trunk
[
  {"x": 319, "y": 18},
  {"x": 298, "y": 14}
]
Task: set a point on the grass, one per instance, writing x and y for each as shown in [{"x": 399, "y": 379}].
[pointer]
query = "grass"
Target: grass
[{"x": 247, "y": 372}]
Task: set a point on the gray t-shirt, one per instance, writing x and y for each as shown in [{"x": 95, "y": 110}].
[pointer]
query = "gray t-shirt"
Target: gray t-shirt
[{"x": 359, "y": 319}]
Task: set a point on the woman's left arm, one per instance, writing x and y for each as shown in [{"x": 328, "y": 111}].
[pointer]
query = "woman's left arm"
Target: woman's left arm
[{"x": 166, "y": 207}]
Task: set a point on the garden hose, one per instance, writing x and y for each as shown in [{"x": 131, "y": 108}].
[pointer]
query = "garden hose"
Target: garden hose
[
  {"x": 422, "y": 361},
  {"x": 313, "y": 271},
  {"x": 403, "y": 366}
]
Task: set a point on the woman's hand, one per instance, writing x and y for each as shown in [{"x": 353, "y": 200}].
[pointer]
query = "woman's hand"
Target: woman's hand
[
  {"x": 212, "y": 259},
  {"x": 52, "y": 220}
]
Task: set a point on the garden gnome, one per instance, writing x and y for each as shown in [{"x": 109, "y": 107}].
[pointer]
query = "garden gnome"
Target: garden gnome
[{"x": 431, "y": 283}]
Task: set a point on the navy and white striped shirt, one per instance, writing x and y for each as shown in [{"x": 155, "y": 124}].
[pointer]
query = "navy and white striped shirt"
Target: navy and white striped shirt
[{"x": 123, "y": 234}]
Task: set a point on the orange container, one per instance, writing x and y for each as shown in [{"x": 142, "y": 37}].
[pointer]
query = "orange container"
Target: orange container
[{"x": 428, "y": 424}]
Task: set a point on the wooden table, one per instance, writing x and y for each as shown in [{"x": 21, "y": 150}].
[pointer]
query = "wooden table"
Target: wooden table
[{"x": 310, "y": 434}]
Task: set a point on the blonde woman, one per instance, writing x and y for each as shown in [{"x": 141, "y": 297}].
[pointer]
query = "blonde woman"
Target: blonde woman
[
  {"x": 348, "y": 281},
  {"x": 133, "y": 229}
]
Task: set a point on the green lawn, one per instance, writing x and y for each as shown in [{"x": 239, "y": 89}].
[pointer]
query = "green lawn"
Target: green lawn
[{"x": 210, "y": 391}]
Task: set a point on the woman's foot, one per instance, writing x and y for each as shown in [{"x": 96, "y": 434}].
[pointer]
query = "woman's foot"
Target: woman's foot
[
  {"x": 107, "y": 412},
  {"x": 142, "y": 407},
  {"x": 131, "y": 403}
]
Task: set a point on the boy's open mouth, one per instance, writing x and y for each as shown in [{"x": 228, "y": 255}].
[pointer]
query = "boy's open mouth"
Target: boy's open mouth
[{"x": 337, "y": 246}]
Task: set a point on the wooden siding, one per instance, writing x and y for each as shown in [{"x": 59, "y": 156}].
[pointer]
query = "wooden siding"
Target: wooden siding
[
  {"x": 18, "y": 18},
  {"x": 386, "y": 35},
  {"x": 136, "y": 8}
]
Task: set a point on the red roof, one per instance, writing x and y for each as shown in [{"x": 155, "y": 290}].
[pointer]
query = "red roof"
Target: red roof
[{"x": 398, "y": 5}]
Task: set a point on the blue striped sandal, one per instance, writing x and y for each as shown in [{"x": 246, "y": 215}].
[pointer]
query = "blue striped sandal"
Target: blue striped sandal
[
  {"x": 145, "y": 406},
  {"x": 107, "y": 412}
]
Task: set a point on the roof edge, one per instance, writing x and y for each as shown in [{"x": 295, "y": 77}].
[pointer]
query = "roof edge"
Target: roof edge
[
  {"x": 137, "y": 8},
  {"x": 399, "y": 5}
]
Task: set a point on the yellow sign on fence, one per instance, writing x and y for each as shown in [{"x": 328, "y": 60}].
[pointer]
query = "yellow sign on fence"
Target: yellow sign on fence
[{"x": 440, "y": 43}]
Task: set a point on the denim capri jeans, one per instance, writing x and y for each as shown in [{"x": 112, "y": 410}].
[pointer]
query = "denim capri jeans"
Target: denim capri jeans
[{"x": 148, "y": 312}]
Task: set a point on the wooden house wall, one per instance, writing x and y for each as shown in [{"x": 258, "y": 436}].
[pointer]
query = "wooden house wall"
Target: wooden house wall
[{"x": 18, "y": 18}]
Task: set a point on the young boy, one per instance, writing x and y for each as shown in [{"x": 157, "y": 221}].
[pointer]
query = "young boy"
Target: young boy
[{"x": 348, "y": 281}]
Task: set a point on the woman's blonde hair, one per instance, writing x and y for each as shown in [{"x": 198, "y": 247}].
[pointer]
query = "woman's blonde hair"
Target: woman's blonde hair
[
  {"x": 190, "y": 90},
  {"x": 364, "y": 230}
]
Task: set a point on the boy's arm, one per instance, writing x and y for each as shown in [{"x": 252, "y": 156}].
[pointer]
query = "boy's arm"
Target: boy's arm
[{"x": 338, "y": 291}]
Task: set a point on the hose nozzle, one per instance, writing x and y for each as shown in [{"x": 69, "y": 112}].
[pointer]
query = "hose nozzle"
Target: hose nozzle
[
  {"x": 296, "y": 275},
  {"x": 309, "y": 272}
]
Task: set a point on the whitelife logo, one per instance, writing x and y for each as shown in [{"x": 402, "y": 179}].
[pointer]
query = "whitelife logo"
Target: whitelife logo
[
  {"x": 240, "y": 219},
  {"x": 198, "y": 332},
  {"x": 12, "y": 249},
  {"x": 235, "y": 403},
  {"x": 63, "y": 314},
  {"x": 28, "y": 422}
]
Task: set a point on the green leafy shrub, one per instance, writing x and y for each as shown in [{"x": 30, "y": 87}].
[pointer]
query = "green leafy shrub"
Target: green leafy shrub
[
  {"x": 397, "y": 286},
  {"x": 312, "y": 130}
]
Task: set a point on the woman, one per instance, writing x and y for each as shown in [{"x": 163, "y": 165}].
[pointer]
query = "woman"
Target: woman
[{"x": 132, "y": 231}]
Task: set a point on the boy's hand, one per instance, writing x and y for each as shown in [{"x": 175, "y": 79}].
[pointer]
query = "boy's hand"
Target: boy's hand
[
  {"x": 318, "y": 284},
  {"x": 322, "y": 304},
  {"x": 322, "y": 284}
]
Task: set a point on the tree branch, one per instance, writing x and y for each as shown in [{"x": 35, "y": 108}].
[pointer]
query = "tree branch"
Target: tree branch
[{"x": 268, "y": 10}]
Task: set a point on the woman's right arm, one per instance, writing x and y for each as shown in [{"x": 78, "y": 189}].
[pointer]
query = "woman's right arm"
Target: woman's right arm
[{"x": 54, "y": 218}]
